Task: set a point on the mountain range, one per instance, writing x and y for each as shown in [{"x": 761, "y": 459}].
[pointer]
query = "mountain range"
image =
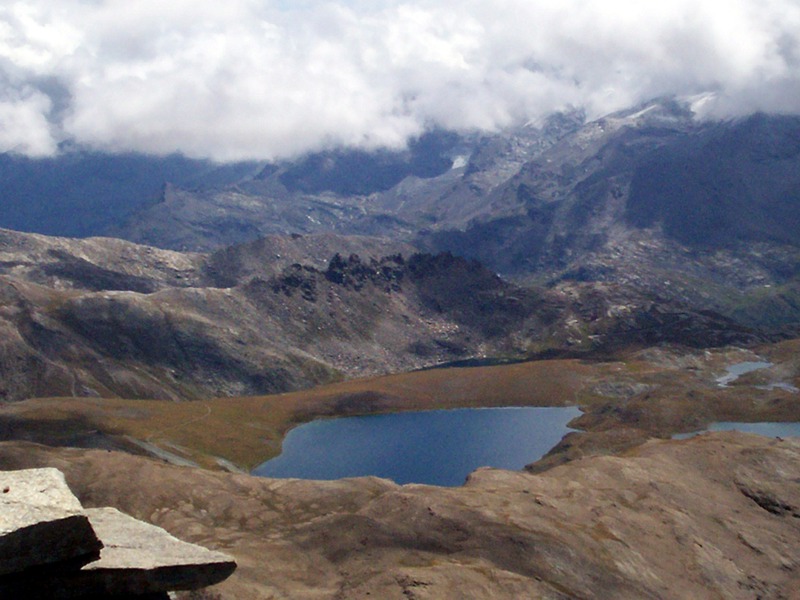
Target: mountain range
[
  {"x": 160, "y": 310},
  {"x": 105, "y": 317},
  {"x": 704, "y": 213},
  {"x": 645, "y": 226}
]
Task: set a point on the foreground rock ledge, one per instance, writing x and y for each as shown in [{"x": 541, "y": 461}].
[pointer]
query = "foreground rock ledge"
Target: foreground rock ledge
[
  {"x": 137, "y": 558},
  {"x": 42, "y": 524},
  {"x": 50, "y": 547}
]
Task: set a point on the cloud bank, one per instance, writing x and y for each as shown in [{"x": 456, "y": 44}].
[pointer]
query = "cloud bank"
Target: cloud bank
[{"x": 267, "y": 79}]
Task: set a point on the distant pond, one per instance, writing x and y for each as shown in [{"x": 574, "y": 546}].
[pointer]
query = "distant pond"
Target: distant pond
[
  {"x": 735, "y": 371},
  {"x": 437, "y": 447},
  {"x": 767, "y": 428}
]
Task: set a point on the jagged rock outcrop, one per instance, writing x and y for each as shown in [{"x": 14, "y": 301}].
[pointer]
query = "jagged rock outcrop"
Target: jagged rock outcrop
[
  {"x": 51, "y": 548},
  {"x": 109, "y": 318}
]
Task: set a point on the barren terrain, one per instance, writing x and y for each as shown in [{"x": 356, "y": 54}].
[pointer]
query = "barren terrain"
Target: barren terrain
[{"x": 716, "y": 516}]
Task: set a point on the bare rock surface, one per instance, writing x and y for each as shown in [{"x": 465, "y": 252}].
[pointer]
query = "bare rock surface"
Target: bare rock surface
[
  {"x": 106, "y": 318},
  {"x": 50, "y": 547},
  {"x": 269, "y": 256},
  {"x": 95, "y": 263},
  {"x": 137, "y": 559},
  {"x": 132, "y": 545},
  {"x": 42, "y": 524},
  {"x": 714, "y": 516}
]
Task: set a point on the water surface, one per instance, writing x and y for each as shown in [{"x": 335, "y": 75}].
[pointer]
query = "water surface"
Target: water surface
[
  {"x": 739, "y": 369},
  {"x": 438, "y": 447},
  {"x": 767, "y": 428},
  {"x": 771, "y": 429}
]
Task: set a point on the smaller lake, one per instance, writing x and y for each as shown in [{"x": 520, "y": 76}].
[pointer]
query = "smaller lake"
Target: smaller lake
[
  {"x": 769, "y": 429},
  {"x": 437, "y": 447},
  {"x": 739, "y": 369}
]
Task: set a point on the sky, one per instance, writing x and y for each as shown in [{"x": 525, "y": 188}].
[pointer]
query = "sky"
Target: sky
[{"x": 269, "y": 79}]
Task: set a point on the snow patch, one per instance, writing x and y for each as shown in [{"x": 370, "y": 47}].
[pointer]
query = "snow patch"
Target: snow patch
[{"x": 460, "y": 161}]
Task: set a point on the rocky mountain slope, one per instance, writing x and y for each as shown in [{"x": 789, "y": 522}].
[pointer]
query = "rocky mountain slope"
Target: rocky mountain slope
[
  {"x": 102, "y": 317},
  {"x": 710, "y": 517},
  {"x": 651, "y": 198},
  {"x": 701, "y": 212},
  {"x": 698, "y": 211},
  {"x": 442, "y": 180},
  {"x": 108, "y": 318},
  {"x": 83, "y": 193}
]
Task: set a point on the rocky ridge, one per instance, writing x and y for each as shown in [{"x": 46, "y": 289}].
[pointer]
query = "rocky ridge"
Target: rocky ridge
[
  {"x": 652, "y": 198},
  {"x": 443, "y": 180},
  {"x": 713, "y": 516},
  {"x": 649, "y": 197},
  {"x": 104, "y": 317}
]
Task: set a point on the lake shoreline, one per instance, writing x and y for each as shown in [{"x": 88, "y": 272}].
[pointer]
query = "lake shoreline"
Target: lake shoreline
[
  {"x": 623, "y": 403},
  {"x": 435, "y": 447}
]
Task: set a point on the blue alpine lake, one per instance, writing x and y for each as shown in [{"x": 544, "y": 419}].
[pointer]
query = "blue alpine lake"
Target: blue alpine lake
[{"x": 437, "y": 447}]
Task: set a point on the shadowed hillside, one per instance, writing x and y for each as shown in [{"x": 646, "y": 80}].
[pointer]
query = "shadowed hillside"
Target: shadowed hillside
[{"x": 108, "y": 318}]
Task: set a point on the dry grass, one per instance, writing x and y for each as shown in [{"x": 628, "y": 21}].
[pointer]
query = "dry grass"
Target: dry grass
[
  {"x": 247, "y": 431},
  {"x": 678, "y": 395}
]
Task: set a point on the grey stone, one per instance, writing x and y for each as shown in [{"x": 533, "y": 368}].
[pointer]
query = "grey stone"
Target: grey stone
[
  {"x": 137, "y": 559},
  {"x": 42, "y": 523},
  {"x": 132, "y": 545}
]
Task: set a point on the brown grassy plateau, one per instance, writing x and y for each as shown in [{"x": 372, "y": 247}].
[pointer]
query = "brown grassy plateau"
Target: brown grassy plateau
[
  {"x": 248, "y": 430},
  {"x": 650, "y": 393}
]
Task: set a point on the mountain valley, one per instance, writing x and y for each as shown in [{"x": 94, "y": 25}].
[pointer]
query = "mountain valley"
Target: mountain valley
[{"x": 164, "y": 322}]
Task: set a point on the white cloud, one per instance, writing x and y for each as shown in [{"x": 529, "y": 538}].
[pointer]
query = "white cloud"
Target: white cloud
[
  {"x": 24, "y": 128},
  {"x": 265, "y": 79}
]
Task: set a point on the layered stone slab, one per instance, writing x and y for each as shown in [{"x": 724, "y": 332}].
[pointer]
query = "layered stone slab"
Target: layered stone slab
[
  {"x": 42, "y": 524},
  {"x": 137, "y": 558},
  {"x": 142, "y": 558}
]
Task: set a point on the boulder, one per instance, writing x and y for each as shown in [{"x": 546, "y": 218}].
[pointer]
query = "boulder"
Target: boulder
[
  {"x": 137, "y": 559},
  {"x": 42, "y": 524},
  {"x": 141, "y": 558}
]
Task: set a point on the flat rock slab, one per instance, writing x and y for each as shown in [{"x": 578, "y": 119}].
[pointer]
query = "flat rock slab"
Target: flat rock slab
[
  {"x": 137, "y": 558},
  {"x": 42, "y": 524}
]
